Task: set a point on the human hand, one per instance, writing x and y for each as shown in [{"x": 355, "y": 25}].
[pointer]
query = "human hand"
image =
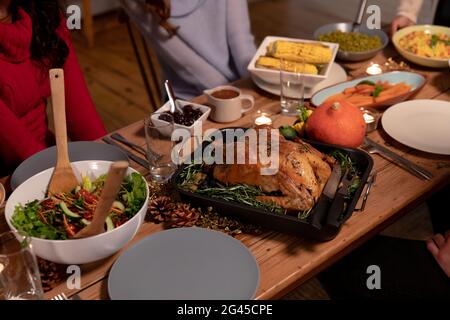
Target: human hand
[
  {"x": 400, "y": 22},
  {"x": 439, "y": 247}
]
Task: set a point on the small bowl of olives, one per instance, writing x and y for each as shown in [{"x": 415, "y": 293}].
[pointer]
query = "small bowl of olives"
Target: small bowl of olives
[{"x": 192, "y": 115}]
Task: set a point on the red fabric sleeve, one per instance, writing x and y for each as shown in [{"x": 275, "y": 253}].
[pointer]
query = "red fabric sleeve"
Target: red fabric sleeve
[
  {"x": 83, "y": 121},
  {"x": 16, "y": 142}
]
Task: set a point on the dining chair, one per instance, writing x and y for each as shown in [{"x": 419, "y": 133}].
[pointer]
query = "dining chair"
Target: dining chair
[
  {"x": 147, "y": 61},
  {"x": 88, "y": 22}
]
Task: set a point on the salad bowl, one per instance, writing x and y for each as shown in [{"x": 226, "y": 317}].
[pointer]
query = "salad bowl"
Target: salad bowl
[{"x": 75, "y": 251}]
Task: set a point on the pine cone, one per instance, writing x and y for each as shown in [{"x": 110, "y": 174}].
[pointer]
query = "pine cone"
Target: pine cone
[
  {"x": 183, "y": 216},
  {"x": 160, "y": 208}
]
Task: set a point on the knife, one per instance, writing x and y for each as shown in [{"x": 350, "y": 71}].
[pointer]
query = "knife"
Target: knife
[
  {"x": 372, "y": 147},
  {"x": 118, "y": 137},
  {"x": 135, "y": 158},
  {"x": 327, "y": 196}
]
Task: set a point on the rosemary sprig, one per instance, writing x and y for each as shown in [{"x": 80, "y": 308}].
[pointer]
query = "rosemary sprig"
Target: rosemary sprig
[
  {"x": 186, "y": 176},
  {"x": 242, "y": 193},
  {"x": 348, "y": 164}
]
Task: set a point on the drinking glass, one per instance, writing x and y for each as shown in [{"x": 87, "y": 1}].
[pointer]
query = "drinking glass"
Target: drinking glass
[
  {"x": 19, "y": 271},
  {"x": 158, "y": 136},
  {"x": 292, "y": 87}
]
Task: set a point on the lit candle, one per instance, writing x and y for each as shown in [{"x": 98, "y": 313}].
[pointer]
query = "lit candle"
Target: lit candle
[
  {"x": 368, "y": 118},
  {"x": 371, "y": 118},
  {"x": 263, "y": 119},
  {"x": 374, "y": 69}
]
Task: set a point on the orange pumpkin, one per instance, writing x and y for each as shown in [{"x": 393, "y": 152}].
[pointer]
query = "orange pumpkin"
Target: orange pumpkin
[{"x": 339, "y": 123}]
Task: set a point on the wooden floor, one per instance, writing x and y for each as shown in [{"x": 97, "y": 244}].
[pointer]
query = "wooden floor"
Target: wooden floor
[{"x": 113, "y": 77}]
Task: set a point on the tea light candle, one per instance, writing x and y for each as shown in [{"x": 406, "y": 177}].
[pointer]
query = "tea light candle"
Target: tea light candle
[
  {"x": 263, "y": 119},
  {"x": 368, "y": 118},
  {"x": 374, "y": 69},
  {"x": 371, "y": 118}
]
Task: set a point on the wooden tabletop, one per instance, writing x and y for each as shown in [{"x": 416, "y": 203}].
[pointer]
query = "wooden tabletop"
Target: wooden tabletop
[{"x": 286, "y": 261}]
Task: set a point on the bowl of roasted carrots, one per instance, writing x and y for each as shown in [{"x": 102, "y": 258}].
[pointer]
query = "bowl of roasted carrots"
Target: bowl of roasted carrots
[{"x": 379, "y": 91}]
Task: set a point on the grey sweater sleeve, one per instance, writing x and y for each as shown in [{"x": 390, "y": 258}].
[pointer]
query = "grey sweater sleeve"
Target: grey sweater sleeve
[
  {"x": 409, "y": 9},
  {"x": 240, "y": 38},
  {"x": 176, "y": 54}
]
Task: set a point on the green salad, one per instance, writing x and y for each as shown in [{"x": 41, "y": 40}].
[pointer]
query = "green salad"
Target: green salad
[{"x": 62, "y": 215}]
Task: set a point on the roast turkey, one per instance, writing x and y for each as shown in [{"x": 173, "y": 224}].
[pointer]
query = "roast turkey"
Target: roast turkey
[{"x": 302, "y": 174}]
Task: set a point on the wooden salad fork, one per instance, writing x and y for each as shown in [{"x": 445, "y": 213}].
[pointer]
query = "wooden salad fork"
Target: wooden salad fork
[
  {"x": 63, "y": 178},
  {"x": 109, "y": 193}
]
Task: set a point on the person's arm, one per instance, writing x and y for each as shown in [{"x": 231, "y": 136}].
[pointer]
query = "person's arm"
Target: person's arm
[
  {"x": 173, "y": 52},
  {"x": 16, "y": 142},
  {"x": 83, "y": 121},
  {"x": 240, "y": 39},
  {"x": 439, "y": 247},
  {"x": 407, "y": 13}
]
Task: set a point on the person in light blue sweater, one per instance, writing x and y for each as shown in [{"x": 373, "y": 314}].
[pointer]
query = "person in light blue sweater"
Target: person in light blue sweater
[{"x": 200, "y": 44}]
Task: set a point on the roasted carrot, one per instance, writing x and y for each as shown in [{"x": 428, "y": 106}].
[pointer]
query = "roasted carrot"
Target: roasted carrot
[
  {"x": 397, "y": 89},
  {"x": 360, "y": 100},
  {"x": 363, "y": 87},
  {"x": 350, "y": 90}
]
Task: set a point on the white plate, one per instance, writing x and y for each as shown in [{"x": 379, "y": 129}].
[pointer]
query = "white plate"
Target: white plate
[
  {"x": 185, "y": 264},
  {"x": 420, "y": 124},
  {"x": 337, "y": 74}
]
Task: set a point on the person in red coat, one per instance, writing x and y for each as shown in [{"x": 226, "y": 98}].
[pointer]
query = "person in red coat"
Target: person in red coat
[{"x": 33, "y": 39}]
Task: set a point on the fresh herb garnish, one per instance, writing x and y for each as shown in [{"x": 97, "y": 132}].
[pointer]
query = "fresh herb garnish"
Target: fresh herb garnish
[
  {"x": 241, "y": 193},
  {"x": 192, "y": 176},
  {"x": 368, "y": 82},
  {"x": 288, "y": 132},
  {"x": 377, "y": 91},
  {"x": 304, "y": 113},
  {"x": 435, "y": 40},
  {"x": 347, "y": 164}
]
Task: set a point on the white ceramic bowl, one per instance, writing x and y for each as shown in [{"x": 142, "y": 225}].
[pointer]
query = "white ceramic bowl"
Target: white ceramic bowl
[
  {"x": 423, "y": 61},
  {"x": 273, "y": 76},
  {"x": 75, "y": 251},
  {"x": 166, "y": 107}
]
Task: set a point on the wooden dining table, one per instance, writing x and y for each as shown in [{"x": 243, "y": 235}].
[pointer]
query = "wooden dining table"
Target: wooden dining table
[{"x": 286, "y": 261}]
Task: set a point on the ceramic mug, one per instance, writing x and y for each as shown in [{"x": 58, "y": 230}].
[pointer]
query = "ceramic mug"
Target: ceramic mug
[{"x": 227, "y": 103}]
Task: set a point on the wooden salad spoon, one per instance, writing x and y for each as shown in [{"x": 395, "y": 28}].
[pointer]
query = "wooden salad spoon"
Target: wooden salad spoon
[
  {"x": 63, "y": 178},
  {"x": 109, "y": 193}
]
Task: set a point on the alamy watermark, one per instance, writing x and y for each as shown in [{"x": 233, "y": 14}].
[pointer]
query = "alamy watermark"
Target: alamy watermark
[
  {"x": 373, "y": 282},
  {"x": 73, "y": 281},
  {"x": 373, "y": 17},
  {"x": 73, "y": 17},
  {"x": 236, "y": 146}
]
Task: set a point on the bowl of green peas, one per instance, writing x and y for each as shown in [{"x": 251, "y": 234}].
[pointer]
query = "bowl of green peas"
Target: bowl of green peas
[{"x": 354, "y": 45}]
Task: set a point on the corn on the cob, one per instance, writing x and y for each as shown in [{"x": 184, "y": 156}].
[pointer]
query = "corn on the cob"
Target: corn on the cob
[
  {"x": 274, "y": 63},
  {"x": 300, "y": 52}
]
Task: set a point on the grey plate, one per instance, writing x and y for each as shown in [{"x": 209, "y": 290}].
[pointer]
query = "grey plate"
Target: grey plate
[
  {"x": 78, "y": 151},
  {"x": 185, "y": 264}
]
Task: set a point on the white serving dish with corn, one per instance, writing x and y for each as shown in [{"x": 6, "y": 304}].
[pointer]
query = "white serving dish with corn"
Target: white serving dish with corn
[{"x": 296, "y": 54}]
